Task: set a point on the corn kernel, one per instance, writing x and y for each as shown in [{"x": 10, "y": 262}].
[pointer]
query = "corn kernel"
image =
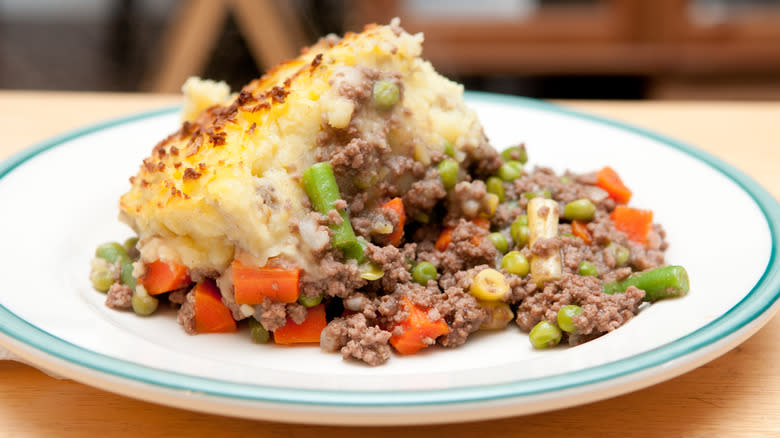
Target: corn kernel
[
  {"x": 500, "y": 315},
  {"x": 489, "y": 285}
]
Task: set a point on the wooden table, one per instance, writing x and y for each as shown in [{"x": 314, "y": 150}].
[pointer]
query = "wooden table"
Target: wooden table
[{"x": 735, "y": 395}]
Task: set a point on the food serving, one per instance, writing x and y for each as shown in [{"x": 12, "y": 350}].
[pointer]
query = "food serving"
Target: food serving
[{"x": 350, "y": 198}]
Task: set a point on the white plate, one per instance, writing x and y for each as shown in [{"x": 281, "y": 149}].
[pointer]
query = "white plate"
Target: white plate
[{"x": 59, "y": 200}]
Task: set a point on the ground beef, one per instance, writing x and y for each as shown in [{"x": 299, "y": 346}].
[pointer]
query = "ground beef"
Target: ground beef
[
  {"x": 355, "y": 338},
  {"x": 337, "y": 278},
  {"x": 468, "y": 201},
  {"x": 604, "y": 312},
  {"x": 119, "y": 296},
  {"x": 424, "y": 194},
  {"x": 186, "y": 315},
  {"x": 364, "y": 315},
  {"x": 462, "y": 313},
  {"x": 271, "y": 314},
  {"x": 468, "y": 247},
  {"x": 392, "y": 262},
  {"x": 178, "y": 296},
  {"x": 601, "y": 312}
]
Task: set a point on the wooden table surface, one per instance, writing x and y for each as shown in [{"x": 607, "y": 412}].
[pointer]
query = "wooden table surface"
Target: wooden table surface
[{"x": 737, "y": 394}]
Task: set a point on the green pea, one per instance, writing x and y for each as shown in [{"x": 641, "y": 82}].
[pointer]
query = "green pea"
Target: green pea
[
  {"x": 496, "y": 186},
  {"x": 423, "y": 272},
  {"x": 522, "y": 220},
  {"x": 144, "y": 305},
  {"x": 111, "y": 252},
  {"x": 544, "y": 335},
  {"x": 565, "y": 317},
  {"x": 126, "y": 274},
  {"x": 565, "y": 179},
  {"x": 130, "y": 243},
  {"x": 515, "y": 263},
  {"x": 520, "y": 232},
  {"x": 579, "y": 210},
  {"x": 544, "y": 193},
  {"x": 515, "y": 153},
  {"x": 587, "y": 269},
  {"x": 259, "y": 334},
  {"x": 448, "y": 172},
  {"x": 510, "y": 171},
  {"x": 499, "y": 241},
  {"x": 449, "y": 149},
  {"x": 620, "y": 253},
  {"x": 386, "y": 94},
  {"x": 102, "y": 278},
  {"x": 307, "y": 301}
]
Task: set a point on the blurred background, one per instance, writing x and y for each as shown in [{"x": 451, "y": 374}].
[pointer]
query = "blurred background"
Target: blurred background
[{"x": 585, "y": 49}]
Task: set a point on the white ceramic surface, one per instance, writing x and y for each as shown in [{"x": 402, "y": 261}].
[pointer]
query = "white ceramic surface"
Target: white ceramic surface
[{"x": 58, "y": 200}]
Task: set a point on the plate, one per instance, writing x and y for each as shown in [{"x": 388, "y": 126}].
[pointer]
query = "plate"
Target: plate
[{"x": 59, "y": 201}]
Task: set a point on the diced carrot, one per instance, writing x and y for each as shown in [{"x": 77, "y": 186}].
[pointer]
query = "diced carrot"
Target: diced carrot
[
  {"x": 609, "y": 180},
  {"x": 164, "y": 277},
  {"x": 580, "y": 230},
  {"x": 418, "y": 329},
  {"x": 634, "y": 222},
  {"x": 211, "y": 314},
  {"x": 482, "y": 223},
  {"x": 251, "y": 284},
  {"x": 306, "y": 332},
  {"x": 397, "y": 206},
  {"x": 444, "y": 239}
]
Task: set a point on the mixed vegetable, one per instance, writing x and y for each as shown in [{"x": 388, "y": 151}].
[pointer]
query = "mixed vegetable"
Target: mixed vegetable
[{"x": 519, "y": 254}]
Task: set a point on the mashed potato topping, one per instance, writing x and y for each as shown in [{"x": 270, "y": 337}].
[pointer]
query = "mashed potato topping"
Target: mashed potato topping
[{"x": 228, "y": 181}]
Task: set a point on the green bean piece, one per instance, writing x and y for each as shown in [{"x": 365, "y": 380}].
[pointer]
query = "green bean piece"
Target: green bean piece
[
  {"x": 102, "y": 278},
  {"x": 658, "y": 283},
  {"x": 307, "y": 301},
  {"x": 496, "y": 186},
  {"x": 620, "y": 253},
  {"x": 449, "y": 149},
  {"x": 360, "y": 256},
  {"x": 510, "y": 171},
  {"x": 579, "y": 210},
  {"x": 565, "y": 317},
  {"x": 386, "y": 94},
  {"x": 515, "y": 153},
  {"x": 423, "y": 272},
  {"x": 588, "y": 269},
  {"x": 544, "y": 193},
  {"x": 544, "y": 335},
  {"x": 258, "y": 333},
  {"x": 499, "y": 241},
  {"x": 144, "y": 305},
  {"x": 126, "y": 274},
  {"x": 520, "y": 231},
  {"x": 320, "y": 184},
  {"x": 515, "y": 263},
  {"x": 448, "y": 172},
  {"x": 111, "y": 252}
]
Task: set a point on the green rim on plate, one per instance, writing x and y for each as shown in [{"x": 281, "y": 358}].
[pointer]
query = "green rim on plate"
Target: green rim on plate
[{"x": 758, "y": 301}]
